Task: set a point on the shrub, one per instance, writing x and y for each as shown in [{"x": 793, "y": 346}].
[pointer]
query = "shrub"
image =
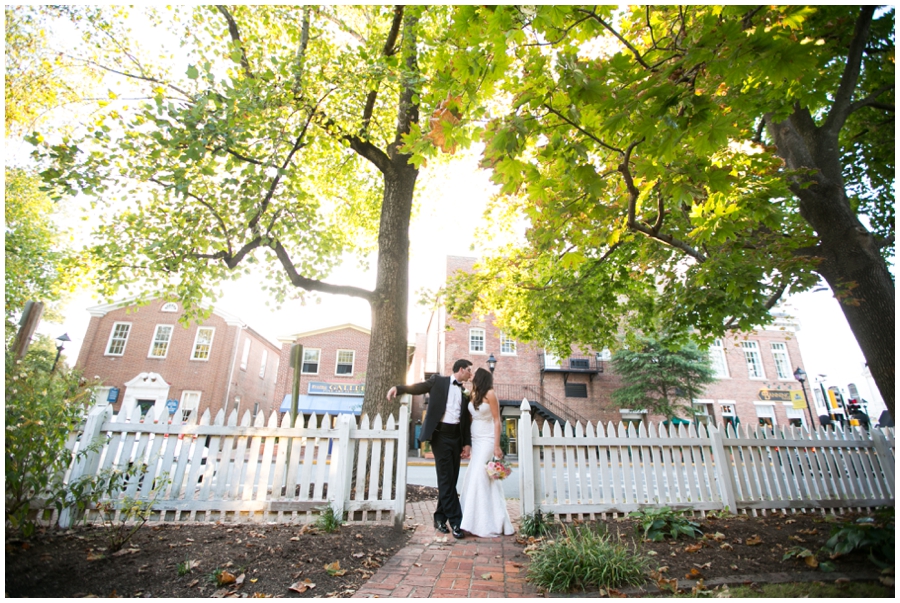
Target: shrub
[
  {"x": 583, "y": 558},
  {"x": 662, "y": 522},
  {"x": 536, "y": 524},
  {"x": 328, "y": 520},
  {"x": 874, "y": 535},
  {"x": 42, "y": 410}
]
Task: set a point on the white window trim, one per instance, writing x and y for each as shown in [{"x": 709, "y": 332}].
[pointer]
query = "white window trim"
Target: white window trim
[
  {"x": 318, "y": 361},
  {"x": 169, "y": 307},
  {"x": 720, "y": 349},
  {"x": 262, "y": 364},
  {"x": 245, "y": 355},
  {"x": 769, "y": 405},
  {"x": 551, "y": 360},
  {"x": 483, "y": 341},
  {"x": 505, "y": 339},
  {"x": 731, "y": 403},
  {"x": 337, "y": 356},
  {"x": 153, "y": 341},
  {"x": 211, "y": 340},
  {"x": 112, "y": 332},
  {"x": 787, "y": 358},
  {"x": 195, "y": 406},
  {"x": 762, "y": 367}
]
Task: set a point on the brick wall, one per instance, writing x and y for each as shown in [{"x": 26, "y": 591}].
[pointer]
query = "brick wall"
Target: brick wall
[{"x": 214, "y": 378}]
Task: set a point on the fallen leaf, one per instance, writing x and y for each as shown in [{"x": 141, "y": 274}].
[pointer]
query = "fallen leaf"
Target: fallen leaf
[
  {"x": 334, "y": 569},
  {"x": 886, "y": 580},
  {"x": 811, "y": 561},
  {"x": 358, "y": 555},
  {"x": 302, "y": 586},
  {"x": 726, "y": 547},
  {"x": 194, "y": 583},
  {"x": 122, "y": 552},
  {"x": 652, "y": 553},
  {"x": 219, "y": 594},
  {"x": 253, "y": 580},
  {"x": 811, "y": 532},
  {"x": 224, "y": 578},
  {"x": 693, "y": 574},
  {"x": 693, "y": 548},
  {"x": 842, "y": 582},
  {"x": 754, "y": 540},
  {"x": 485, "y": 576},
  {"x": 790, "y": 521},
  {"x": 95, "y": 556},
  {"x": 706, "y": 565},
  {"x": 239, "y": 581}
]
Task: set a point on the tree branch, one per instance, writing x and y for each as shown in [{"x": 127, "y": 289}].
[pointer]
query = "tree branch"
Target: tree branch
[
  {"x": 231, "y": 260},
  {"x": 301, "y": 50},
  {"x": 582, "y": 130},
  {"x": 770, "y": 303},
  {"x": 235, "y": 37},
  {"x": 870, "y": 101},
  {"x": 634, "y": 51},
  {"x": 309, "y": 284},
  {"x": 840, "y": 110}
]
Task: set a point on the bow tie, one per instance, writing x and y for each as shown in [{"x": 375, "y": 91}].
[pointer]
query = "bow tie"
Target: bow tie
[{"x": 457, "y": 383}]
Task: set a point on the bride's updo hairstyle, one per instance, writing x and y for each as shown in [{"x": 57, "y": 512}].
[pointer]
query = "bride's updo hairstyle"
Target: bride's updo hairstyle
[{"x": 482, "y": 383}]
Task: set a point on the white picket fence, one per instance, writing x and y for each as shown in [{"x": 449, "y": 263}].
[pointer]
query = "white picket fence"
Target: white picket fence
[
  {"x": 586, "y": 472},
  {"x": 269, "y": 471}
]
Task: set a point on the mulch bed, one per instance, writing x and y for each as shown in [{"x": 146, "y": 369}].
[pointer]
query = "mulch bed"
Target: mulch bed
[
  {"x": 264, "y": 560},
  {"x": 268, "y": 560}
]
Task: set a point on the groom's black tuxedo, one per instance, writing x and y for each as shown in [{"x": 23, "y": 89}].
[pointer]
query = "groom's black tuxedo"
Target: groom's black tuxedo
[{"x": 446, "y": 443}]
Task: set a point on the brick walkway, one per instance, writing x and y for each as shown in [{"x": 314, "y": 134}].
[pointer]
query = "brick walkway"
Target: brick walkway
[{"x": 437, "y": 565}]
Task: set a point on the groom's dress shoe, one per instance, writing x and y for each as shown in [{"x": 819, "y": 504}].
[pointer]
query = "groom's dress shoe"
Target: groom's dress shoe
[
  {"x": 441, "y": 527},
  {"x": 458, "y": 534}
]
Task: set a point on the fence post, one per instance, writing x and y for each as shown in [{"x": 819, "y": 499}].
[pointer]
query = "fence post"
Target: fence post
[
  {"x": 723, "y": 471},
  {"x": 338, "y": 492},
  {"x": 90, "y": 459},
  {"x": 885, "y": 458},
  {"x": 402, "y": 461},
  {"x": 526, "y": 461}
]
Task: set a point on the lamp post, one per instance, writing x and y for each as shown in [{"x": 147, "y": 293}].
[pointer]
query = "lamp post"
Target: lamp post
[
  {"x": 62, "y": 339},
  {"x": 492, "y": 363},
  {"x": 800, "y": 375}
]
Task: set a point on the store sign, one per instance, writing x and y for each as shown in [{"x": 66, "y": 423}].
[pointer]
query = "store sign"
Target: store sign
[
  {"x": 795, "y": 397},
  {"x": 337, "y": 389}
]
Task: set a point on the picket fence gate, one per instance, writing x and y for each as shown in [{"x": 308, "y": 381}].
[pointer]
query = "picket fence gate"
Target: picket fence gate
[
  {"x": 587, "y": 473},
  {"x": 269, "y": 471}
]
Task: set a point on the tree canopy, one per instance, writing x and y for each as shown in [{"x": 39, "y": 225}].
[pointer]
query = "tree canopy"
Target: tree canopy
[
  {"x": 661, "y": 375},
  {"x": 691, "y": 165},
  {"x": 276, "y": 139}
]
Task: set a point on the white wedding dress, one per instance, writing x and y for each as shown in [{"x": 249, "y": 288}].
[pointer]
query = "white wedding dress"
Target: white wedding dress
[{"x": 482, "y": 500}]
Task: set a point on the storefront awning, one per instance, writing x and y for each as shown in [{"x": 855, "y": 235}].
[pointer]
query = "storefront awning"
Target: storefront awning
[
  {"x": 333, "y": 405},
  {"x": 677, "y": 421}
]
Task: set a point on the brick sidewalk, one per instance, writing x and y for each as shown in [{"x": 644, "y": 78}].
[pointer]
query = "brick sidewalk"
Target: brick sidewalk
[{"x": 437, "y": 565}]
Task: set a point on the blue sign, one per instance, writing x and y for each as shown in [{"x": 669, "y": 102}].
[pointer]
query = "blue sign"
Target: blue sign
[
  {"x": 171, "y": 406},
  {"x": 113, "y": 395}
]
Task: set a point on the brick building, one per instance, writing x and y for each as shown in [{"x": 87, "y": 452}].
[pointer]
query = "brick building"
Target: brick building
[
  {"x": 333, "y": 370},
  {"x": 756, "y": 383},
  {"x": 142, "y": 355}
]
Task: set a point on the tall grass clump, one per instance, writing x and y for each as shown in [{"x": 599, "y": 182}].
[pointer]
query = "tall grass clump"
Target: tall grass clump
[{"x": 582, "y": 558}]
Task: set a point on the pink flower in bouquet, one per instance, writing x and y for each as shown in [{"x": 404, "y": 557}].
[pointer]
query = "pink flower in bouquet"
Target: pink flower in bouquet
[{"x": 497, "y": 469}]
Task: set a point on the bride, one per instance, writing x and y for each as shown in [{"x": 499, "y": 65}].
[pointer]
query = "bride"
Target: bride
[{"x": 482, "y": 500}]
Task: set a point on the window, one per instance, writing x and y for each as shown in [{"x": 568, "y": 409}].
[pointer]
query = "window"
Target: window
[
  {"x": 245, "y": 356},
  {"x": 344, "y": 364},
  {"x": 310, "y": 362},
  {"x": 576, "y": 390},
  {"x": 190, "y": 403},
  {"x": 507, "y": 345},
  {"x": 579, "y": 363},
  {"x": 262, "y": 364},
  {"x": 766, "y": 414},
  {"x": 161, "y": 338},
  {"x": 551, "y": 360},
  {"x": 782, "y": 360},
  {"x": 796, "y": 417},
  {"x": 717, "y": 359},
  {"x": 145, "y": 406},
  {"x": 754, "y": 361},
  {"x": 118, "y": 338},
  {"x": 203, "y": 343},
  {"x": 169, "y": 307},
  {"x": 476, "y": 341},
  {"x": 604, "y": 355},
  {"x": 729, "y": 416},
  {"x": 702, "y": 410}
]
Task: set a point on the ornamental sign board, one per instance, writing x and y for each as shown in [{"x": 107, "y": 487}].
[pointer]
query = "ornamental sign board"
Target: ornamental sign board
[
  {"x": 171, "y": 406},
  {"x": 336, "y": 389},
  {"x": 113, "y": 395},
  {"x": 776, "y": 395}
]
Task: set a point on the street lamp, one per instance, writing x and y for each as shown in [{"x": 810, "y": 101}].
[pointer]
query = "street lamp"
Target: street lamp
[
  {"x": 800, "y": 375},
  {"x": 492, "y": 363},
  {"x": 62, "y": 339}
]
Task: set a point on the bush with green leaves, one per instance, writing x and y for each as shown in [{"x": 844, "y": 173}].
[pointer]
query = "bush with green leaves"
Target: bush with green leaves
[
  {"x": 873, "y": 535},
  {"x": 659, "y": 523},
  {"x": 583, "y": 558},
  {"x": 43, "y": 408},
  {"x": 536, "y": 524}
]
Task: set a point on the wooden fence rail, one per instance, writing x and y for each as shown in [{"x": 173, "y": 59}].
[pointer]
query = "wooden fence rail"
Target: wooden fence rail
[
  {"x": 267, "y": 471},
  {"x": 586, "y": 471}
]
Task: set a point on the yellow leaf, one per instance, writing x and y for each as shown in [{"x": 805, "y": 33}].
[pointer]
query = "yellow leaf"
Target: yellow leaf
[
  {"x": 485, "y": 576},
  {"x": 225, "y": 578},
  {"x": 754, "y": 540},
  {"x": 811, "y": 561}
]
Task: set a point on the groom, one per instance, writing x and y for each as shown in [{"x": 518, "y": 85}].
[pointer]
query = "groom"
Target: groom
[{"x": 446, "y": 426}]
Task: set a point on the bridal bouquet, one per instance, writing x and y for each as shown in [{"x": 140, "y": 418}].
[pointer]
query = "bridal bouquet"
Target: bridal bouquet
[{"x": 497, "y": 469}]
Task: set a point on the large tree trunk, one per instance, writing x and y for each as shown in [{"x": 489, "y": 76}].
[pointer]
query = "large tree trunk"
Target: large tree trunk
[
  {"x": 388, "y": 343},
  {"x": 847, "y": 255}
]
